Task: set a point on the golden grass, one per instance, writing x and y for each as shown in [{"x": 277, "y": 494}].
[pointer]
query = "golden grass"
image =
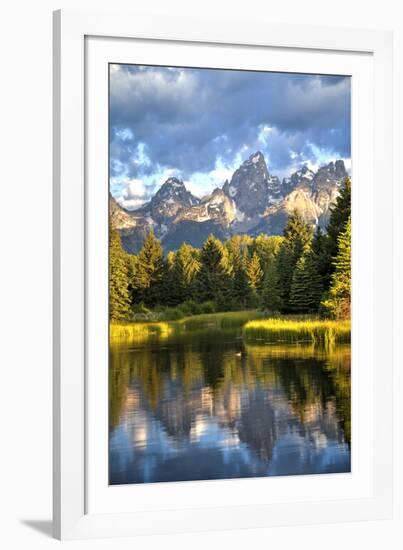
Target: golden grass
[
  {"x": 138, "y": 332},
  {"x": 290, "y": 331},
  {"x": 256, "y": 331}
]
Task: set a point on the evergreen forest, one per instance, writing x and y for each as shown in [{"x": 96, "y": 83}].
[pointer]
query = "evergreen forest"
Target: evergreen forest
[{"x": 306, "y": 271}]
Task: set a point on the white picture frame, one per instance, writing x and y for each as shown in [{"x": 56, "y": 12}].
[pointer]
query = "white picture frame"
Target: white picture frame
[{"x": 79, "y": 391}]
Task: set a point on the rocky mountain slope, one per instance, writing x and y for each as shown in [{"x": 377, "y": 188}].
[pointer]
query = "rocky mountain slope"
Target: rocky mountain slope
[{"x": 253, "y": 202}]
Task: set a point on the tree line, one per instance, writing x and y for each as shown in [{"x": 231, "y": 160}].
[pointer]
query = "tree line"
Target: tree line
[{"x": 305, "y": 271}]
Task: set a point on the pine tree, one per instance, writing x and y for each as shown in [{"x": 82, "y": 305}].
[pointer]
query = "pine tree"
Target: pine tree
[
  {"x": 237, "y": 248},
  {"x": 285, "y": 268},
  {"x": 271, "y": 296},
  {"x": 212, "y": 277},
  {"x": 119, "y": 301},
  {"x": 241, "y": 291},
  {"x": 150, "y": 272},
  {"x": 340, "y": 214},
  {"x": 306, "y": 286},
  {"x": 172, "y": 292},
  {"x": 267, "y": 248},
  {"x": 131, "y": 277},
  {"x": 170, "y": 258},
  {"x": 321, "y": 256},
  {"x": 337, "y": 303},
  {"x": 254, "y": 272},
  {"x": 297, "y": 240},
  {"x": 187, "y": 265},
  {"x": 184, "y": 270},
  {"x": 298, "y": 235}
]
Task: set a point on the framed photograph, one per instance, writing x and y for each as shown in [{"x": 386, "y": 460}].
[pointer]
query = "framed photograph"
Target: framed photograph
[{"x": 222, "y": 274}]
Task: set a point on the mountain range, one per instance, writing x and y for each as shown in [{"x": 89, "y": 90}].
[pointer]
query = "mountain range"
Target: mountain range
[{"x": 252, "y": 202}]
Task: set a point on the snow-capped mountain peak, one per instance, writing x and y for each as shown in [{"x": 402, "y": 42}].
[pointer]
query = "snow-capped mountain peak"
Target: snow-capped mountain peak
[
  {"x": 251, "y": 186},
  {"x": 303, "y": 176},
  {"x": 252, "y": 201},
  {"x": 170, "y": 198}
]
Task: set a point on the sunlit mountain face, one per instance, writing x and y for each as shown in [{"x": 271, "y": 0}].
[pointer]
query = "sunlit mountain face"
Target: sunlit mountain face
[
  {"x": 253, "y": 201},
  {"x": 228, "y": 359},
  {"x": 195, "y": 151}
]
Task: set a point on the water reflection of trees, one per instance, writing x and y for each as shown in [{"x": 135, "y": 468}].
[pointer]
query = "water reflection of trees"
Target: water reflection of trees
[
  {"x": 191, "y": 378},
  {"x": 311, "y": 378}
]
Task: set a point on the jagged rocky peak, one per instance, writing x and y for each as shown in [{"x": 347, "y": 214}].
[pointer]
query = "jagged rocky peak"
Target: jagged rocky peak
[
  {"x": 303, "y": 176},
  {"x": 257, "y": 159},
  {"x": 251, "y": 202},
  {"x": 217, "y": 206},
  {"x": 170, "y": 198},
  {"x": 332, "y": 173},
  {"x": 340, "y": 169},
  {"x": 335, "y": 169},
  {"x": 173, "y": 188},
  {"x": 249, "y": 186},
  {"x": 275, "y": 189},
  {"x": 326, "y": 186},
  {"x": 120, "y": 218},
  {"x": 305, "y": 173},
  {"x": 312, "y": 194}
]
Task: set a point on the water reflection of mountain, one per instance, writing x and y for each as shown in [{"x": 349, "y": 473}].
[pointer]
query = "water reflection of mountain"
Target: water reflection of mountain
[{"x": 197, "y": 411}]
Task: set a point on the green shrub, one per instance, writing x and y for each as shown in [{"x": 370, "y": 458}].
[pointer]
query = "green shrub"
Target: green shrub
[
  {"x": 208, "y": 307},
  {"x": 193, "y": 307}
]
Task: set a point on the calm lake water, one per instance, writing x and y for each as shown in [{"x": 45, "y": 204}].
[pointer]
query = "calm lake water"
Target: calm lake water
[{"x": 201, "y": 404}]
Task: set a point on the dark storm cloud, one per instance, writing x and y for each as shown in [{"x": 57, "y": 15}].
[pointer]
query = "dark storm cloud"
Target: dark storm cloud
[{"x": 186, "y": 118}]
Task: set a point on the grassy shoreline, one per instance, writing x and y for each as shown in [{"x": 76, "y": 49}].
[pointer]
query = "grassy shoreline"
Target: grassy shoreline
[
  {"x": 291, "y": 331},
  {"x": 256, "y": 328},
  {"x": 134, "y": 331}
]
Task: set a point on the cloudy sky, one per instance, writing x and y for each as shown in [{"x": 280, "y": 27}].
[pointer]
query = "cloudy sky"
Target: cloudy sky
[{"x": 201, "y": 124}]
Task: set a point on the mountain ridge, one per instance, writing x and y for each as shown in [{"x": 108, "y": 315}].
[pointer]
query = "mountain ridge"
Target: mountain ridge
[{"x": 252, "y": 202}]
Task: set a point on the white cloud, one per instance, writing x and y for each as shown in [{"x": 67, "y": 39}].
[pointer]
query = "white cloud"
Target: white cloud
[
  {"x": 130, "y": 204},
  {"x": 125, "y": 135},
  {"x": 130, "y": 193},
  {"x": 203, "y": 183},
  {"x": 264, "y": 132},
  {"x": 183, "y": 118},
  {"x": 155, "y": 180},
  {"x": 135, "y": 189},
  {"x": 140, "y": 158}
]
